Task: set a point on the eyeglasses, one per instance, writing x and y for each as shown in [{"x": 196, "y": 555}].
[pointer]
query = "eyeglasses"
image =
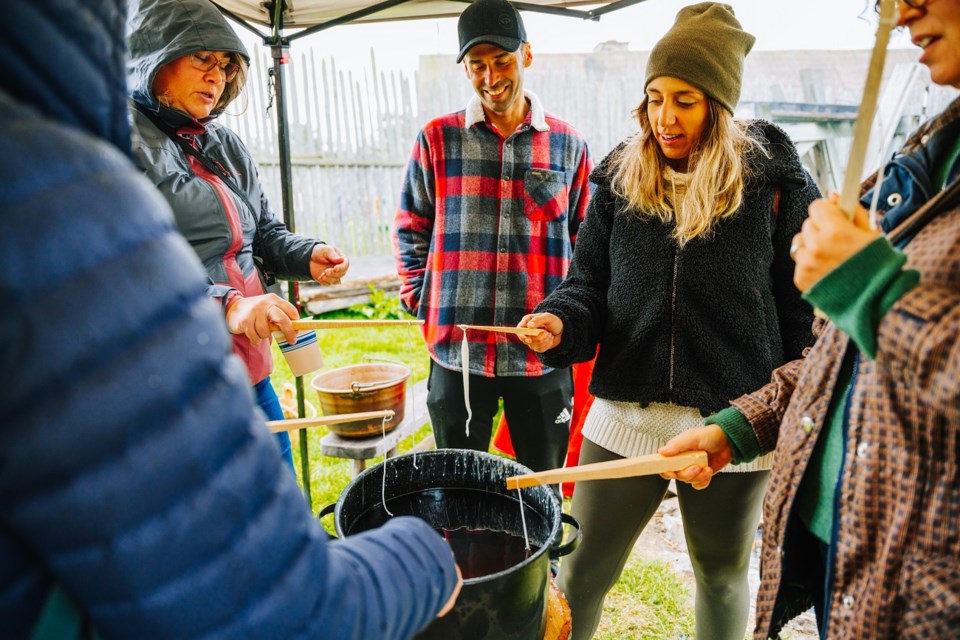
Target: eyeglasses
[
  {"x": 913, "y": 4},
  {"x": 207, "y": 61}
]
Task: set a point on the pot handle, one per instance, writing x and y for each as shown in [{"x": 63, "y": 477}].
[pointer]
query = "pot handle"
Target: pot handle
[
  {"x": 327, "y": 510},
  {"x": 359, "y": 387},
  {"x": 561, "y": 550}
]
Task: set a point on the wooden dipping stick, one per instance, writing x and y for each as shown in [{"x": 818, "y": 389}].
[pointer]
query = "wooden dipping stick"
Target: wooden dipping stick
[
  {"x": 850, "y": 195},
  {"x": 519, "y": 331},
  {"x": 300, "y": 325},
  {"x": 626, "y": 468},
  {"x": 302, "y": 423}
]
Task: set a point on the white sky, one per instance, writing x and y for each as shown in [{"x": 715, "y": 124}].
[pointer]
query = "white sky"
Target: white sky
[{"x": 777, "y": 25}]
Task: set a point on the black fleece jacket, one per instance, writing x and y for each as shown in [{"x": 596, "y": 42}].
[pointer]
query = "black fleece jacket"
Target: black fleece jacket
[{"x": 697, "y": 325}]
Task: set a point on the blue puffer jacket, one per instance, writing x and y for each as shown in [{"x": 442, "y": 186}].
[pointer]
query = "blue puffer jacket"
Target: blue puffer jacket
[{"x": 134, "y": 473}]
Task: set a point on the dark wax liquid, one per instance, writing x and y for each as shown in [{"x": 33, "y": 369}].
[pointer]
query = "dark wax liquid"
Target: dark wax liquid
[{"x": 484, "y": 529}]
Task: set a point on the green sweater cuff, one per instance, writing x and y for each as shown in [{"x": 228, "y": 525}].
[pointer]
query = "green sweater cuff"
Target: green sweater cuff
[
  {"x": 743, "y": 441},
  {"x": 857, "y": 294}
]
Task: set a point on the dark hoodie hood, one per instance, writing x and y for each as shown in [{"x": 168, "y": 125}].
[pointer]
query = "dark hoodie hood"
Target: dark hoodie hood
[
  {"x": 69, "y": 65},
  {"x": 160, "y": 31}
]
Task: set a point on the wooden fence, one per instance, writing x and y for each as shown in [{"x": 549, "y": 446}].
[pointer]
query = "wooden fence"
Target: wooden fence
[
  {"x": 351, "y": 131},
  {"x": 350, "y": 135}
]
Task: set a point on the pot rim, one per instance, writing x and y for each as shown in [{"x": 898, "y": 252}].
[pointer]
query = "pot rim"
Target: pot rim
[
  {"x": 367, "y": 386},
  {"x": 555, "y": 537}
]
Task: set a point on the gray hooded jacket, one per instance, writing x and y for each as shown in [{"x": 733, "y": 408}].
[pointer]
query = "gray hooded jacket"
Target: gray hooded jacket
[{"x": 220, "y": 226}]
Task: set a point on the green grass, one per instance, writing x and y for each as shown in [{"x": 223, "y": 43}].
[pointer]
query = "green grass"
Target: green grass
[{"x": 649, "y": 601}]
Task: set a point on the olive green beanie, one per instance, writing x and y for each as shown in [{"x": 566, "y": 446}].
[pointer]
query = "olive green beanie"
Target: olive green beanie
[{"x": 705, "y": 47}]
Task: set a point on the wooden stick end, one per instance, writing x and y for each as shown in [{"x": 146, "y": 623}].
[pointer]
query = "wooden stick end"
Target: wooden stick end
[{"x": 521, "y": 482}]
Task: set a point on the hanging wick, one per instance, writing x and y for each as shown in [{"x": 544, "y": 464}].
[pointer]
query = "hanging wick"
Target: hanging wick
[
  {"x": 523, "y": 519},
  {"x": 413, "y": 391},
  {"x": 465, "y": 364},
  {"x": 383, "y": 480}
]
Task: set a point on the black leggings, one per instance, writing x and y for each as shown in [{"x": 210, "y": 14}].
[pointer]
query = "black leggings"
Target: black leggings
[
  {"x": 719, "y": 524},
  {"x": 538, "y": 410}
]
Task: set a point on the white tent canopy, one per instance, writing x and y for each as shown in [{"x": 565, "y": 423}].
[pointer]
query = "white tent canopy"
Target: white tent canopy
[{"x": 299, "y": 14}]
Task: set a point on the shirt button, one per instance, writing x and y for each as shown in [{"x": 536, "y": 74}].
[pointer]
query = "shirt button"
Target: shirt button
[
  {"x": 848, "y": 602},
  {"x": 806, "y": 423},
  {"x": 862, "y": 449}
]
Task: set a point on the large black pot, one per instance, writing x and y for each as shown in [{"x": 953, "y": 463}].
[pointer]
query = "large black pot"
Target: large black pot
[{"x": 452, "y": 489}]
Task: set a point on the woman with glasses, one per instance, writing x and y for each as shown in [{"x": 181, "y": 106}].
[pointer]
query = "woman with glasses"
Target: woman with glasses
[
  {"x": 862, "y": 517},
  {"x": 681, "y": 275},
  {"x": 186, "y": 66}
]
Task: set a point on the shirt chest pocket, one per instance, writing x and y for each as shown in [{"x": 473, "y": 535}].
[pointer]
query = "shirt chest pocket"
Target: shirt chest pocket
[{"x": 545, "y": 195}]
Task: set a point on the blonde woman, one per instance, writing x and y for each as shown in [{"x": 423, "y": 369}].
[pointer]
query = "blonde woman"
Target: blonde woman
[{"x": 682, "y": 276}]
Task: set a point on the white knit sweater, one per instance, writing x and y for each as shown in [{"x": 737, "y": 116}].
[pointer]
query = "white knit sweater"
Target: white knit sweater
[{"x": 629, "y": 430}]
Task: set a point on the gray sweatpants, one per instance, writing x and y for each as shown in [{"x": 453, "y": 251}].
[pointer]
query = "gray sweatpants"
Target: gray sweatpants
[{"x": 719, "y": 524}]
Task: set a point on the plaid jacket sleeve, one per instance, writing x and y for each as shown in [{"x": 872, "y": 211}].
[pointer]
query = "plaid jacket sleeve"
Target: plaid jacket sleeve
[
  {"x": 413, "y": 223},
  {"x": 580, "y": 194}
]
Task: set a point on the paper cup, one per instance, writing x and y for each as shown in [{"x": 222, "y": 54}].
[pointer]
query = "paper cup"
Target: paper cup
[{"x": 303, "y": 357}]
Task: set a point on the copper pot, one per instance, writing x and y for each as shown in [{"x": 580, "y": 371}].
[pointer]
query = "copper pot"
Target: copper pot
[{"x": 363, "y": 387}]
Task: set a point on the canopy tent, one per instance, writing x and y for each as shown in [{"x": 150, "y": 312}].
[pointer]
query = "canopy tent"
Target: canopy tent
[
  {"x": 309, "y": 14},
  {"x": 306, "y": 17}
]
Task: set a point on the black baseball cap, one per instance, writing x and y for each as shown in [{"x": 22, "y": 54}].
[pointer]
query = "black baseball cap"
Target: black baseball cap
[{"x": 493, "y": 22}]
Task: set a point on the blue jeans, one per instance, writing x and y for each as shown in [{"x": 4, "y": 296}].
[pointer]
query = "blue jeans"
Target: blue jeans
[{"x": 270, "y": 404}]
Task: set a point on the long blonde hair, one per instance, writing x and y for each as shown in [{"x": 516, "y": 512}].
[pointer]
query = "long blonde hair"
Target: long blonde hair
[{"x": 715, "y": 181}]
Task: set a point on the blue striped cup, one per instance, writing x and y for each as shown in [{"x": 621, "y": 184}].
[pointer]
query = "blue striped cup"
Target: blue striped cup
[{"x": 303, "y": 357}]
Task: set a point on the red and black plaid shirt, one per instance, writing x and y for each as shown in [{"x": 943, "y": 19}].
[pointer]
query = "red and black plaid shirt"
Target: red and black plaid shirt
[{"x": 485, "y": 230}]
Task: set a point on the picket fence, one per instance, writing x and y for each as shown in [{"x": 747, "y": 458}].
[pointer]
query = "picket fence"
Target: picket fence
[
  {"x": 351, "y": 131},
  {"x": 351, "y": 134}
]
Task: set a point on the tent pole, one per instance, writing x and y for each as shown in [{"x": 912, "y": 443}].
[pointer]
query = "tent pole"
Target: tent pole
[{"x": 280, "y": 53}]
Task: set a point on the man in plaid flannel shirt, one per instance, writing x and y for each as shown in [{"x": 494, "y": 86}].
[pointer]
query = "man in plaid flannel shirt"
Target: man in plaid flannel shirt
[{"x": 491, "y": 203}]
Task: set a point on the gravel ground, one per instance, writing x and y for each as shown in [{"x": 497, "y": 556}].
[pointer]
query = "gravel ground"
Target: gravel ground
[{"x": 663, "y": 540}]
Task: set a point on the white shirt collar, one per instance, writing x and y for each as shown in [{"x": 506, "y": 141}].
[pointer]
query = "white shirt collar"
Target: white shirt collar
[{"x": 538, "y": 119}]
